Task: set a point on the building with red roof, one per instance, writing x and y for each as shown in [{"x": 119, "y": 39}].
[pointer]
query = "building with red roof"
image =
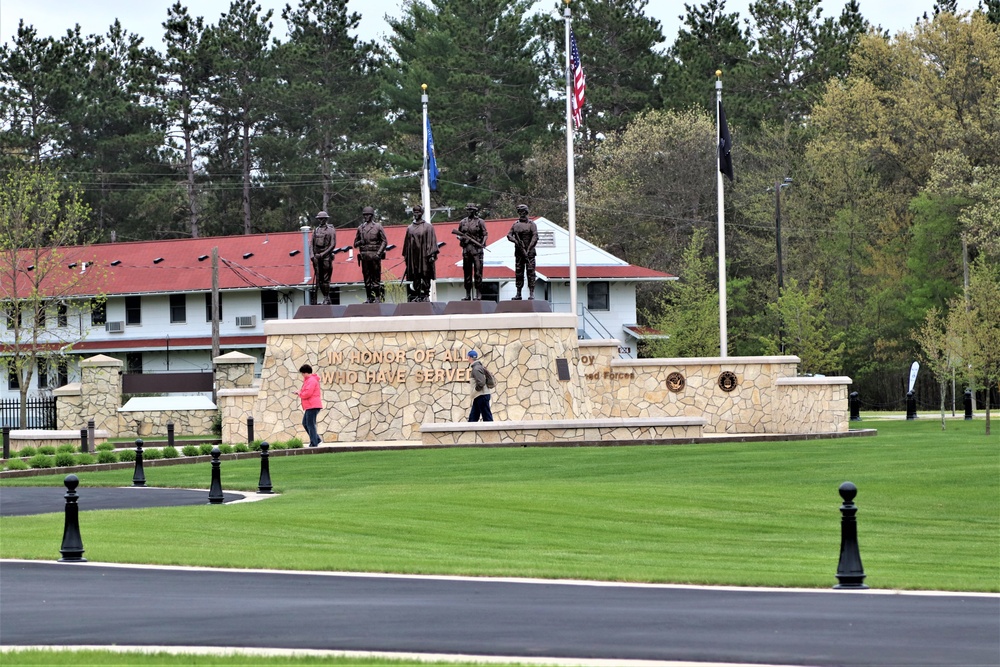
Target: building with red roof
[{"x": 156, "y": 314}]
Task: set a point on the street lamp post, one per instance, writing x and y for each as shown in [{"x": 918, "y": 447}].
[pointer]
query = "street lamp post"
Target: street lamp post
[{"x": 777, "y": 240}]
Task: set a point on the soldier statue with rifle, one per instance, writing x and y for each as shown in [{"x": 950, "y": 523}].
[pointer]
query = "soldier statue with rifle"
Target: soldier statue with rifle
[
  {"x": 472, "y": 236},
  {"x": 524, "y": 235},
  {"x": 371, "y": 244},
  {"x": 323, "y": 241}
]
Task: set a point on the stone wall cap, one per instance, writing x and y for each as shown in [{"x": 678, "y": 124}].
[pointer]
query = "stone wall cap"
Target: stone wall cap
[
  {"x": 815, "y": 380},
  {"x": 241, "y": 391},
  {"x": 706, "y": 361},
  {"x": 529, "y": 424},
  {"x": 600, "y": 342},
  {"x": 43, "y": 434},
  {"x": 71, "y": 389},
  {"x": 235, "y": 357},
  {"x": 421, "y": 323},
  {"x": 101, "y": 360}
]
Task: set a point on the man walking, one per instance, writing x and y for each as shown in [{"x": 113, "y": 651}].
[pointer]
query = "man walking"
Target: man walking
[{"x": 480, "y": 390}]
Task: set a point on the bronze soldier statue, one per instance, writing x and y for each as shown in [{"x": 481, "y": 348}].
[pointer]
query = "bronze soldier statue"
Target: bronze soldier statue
[
  {"x": 472, "y": 235},
  {"x": 524, "y": 235},
  {"x": 420, "y": 251},
  {"x": 371, "y": 243},
  {"x": 324, "y": 239}
]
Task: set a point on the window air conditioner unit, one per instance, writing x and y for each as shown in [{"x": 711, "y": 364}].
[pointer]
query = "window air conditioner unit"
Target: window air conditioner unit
[
  {"x": 246, "y": 321},
  {"x": 114, "y": 327}
]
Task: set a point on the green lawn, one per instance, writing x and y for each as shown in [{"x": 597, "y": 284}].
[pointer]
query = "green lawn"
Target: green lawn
[
  {"x": 743, "y": 514},
  {"x": 90, "y": 658}
]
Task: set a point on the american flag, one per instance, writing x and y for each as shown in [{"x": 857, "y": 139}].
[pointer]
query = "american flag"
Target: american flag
[{"x": 579, "y": 81}]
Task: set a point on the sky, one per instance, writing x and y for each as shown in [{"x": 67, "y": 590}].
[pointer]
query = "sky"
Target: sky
[{"x": 144, "y": 17}]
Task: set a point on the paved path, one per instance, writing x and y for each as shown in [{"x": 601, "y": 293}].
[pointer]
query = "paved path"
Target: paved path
[
  {"x": 24, "y": 500},
  {"x": 71, "y": 604}
]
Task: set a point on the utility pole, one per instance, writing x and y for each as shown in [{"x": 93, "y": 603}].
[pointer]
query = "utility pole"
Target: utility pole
[{"x": 215, "y": 314}]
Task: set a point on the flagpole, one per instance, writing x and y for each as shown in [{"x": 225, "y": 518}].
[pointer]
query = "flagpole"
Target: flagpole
[
  {"x": 425, "y": 190},
  {"x": 570, "y": 170},
  {"x": 720, "y": 205}
]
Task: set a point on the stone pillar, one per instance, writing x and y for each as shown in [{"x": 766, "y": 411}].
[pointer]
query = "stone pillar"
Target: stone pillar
[
  {"x": 235, "y": 392},
  {"x": 97, "y": 396}
]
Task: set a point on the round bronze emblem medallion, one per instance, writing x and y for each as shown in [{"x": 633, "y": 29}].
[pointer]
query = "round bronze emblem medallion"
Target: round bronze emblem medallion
[
  {"x": 675, "y": 382},
  {"x": 727, "y": 381}
]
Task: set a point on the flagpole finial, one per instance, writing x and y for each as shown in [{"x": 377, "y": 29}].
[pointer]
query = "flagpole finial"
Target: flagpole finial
[
  {"x": 423, "y": 87},
  {"x": 718, "y": 73}
]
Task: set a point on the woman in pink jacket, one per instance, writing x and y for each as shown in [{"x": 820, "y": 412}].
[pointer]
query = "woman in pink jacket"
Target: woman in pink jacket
[{"x": 312, "y": 400}]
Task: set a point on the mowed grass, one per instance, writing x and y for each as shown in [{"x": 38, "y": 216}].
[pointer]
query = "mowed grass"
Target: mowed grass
[{"x": 763, "y": 514}]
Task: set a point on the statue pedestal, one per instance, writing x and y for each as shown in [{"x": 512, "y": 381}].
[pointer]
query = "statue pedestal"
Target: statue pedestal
[{"x": 533, "y": 306}]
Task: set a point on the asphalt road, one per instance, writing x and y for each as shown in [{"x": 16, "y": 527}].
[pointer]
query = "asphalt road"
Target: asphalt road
[
  {"x": 71, "y": 604},
  {"x": 24, "y": 500}
]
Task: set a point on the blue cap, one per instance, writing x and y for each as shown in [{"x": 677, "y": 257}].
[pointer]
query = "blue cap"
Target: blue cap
[{"x": 473, "y": 354}]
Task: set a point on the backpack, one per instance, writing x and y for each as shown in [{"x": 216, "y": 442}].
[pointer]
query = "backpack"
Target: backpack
[{"x": 491, "y": 382}]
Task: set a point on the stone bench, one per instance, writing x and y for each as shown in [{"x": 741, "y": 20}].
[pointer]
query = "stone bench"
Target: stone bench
[{"x": 642, "y": 430}]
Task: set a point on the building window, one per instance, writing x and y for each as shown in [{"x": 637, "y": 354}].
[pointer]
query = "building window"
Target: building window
[
  {"x": 133, "y": 363},
  {"x": 62, "y": 371},
  {"x": 598, "y": 296},
  {"x": 133, "y": 310},
  {"x": 178, "y": 308},
  {"x": 62, "y": 317},
  {"x": 491, "y": 291},
  {"x": 208, "y": 306},
  {"x": 268, "y": 305},
  {"x": 98, "y": 312},
  {"x": 40, "y": 316},
  {"x": 13, "y": 381},
  {"x": 43, "y": 373}
]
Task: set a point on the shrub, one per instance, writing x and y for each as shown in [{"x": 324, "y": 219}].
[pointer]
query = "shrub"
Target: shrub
[
  {"x": 16, "y": 464},
  {"x": 40, "y": 461},
  {"x": 47, "y": 449},
  {"x": 242, "y": 447},
  {"x": 191, "y": 450},
  {"x": 151, "y": 454},
  {"x": 217, "y": 423},
  {"x": 278, "y": 445},
  {"x": 105, "y": 447},
  {"x": 294, "y": 443},
  {"x": 255, "y": 445},
  {"x": 225, "y": 449},
  {"x": 126, "y": 455},
  {"x": 27, "y": 452},
  {"x": 170, "y": 452},
  {"x": 107, "y": 456},
  {"x": 64, "y": 459},
  {"x": 66, "y": 448},
  {"x": 206, "y": 448},
  {"x": 84, "y": 459}
]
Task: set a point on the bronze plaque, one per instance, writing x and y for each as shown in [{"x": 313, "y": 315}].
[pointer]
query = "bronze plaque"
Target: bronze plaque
[
  {"x": 727, "y": 381},
  {"x": 675, "y": 382}
]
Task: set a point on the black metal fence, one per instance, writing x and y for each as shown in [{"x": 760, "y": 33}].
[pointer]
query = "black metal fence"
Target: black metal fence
[{"x": 41, "y": 412}]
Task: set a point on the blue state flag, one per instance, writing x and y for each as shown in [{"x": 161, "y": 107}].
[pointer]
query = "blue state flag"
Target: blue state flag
[{"x": 432, "y": 168}]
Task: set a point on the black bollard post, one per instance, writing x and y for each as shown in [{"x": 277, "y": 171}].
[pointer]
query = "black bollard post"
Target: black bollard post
[
  {"x": 83, "y": 440},
  {"x": 249, "y": 430},
  {"x": 855, "y": 404},
  {"x": 72, "y": 543},
  {"x": 850, "y": 572},
  {"x": 139, "y": 476},
  {"x": 90, "y": 434},
  {"x": 170, "y": 434},
  {"x": 6, "y": 442},
  {"x": 215, "y": 496},
  {"x": 264, "y": 485},
  {"x": 911, "y": 405},
  {"x": 966, "y": 402}
]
